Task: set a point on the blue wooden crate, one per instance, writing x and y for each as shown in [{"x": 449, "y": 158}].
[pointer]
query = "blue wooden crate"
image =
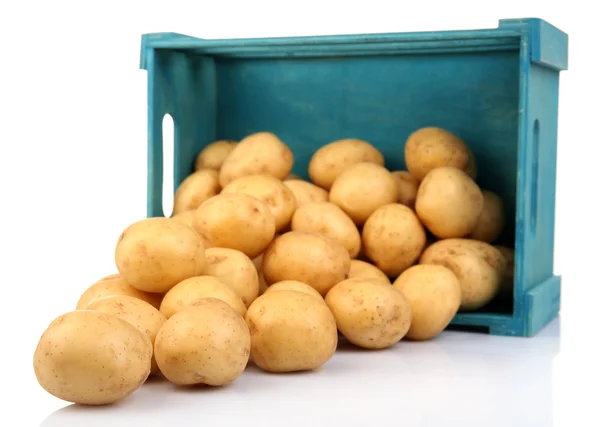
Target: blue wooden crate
[{"x": 496, "y": 88}]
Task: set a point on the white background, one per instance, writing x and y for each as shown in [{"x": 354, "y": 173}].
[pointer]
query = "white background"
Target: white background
[{"x": 73, "y": 171}]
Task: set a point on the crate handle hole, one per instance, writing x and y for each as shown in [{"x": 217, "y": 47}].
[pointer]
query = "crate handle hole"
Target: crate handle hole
[
  {"x": 168, "y": 138},
  {"x": 534, "y": 174}
]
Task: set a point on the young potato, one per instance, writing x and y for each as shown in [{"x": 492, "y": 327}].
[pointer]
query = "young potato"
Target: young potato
[
  {"x": 360, "y": 268},
  {"x": 294, "y": 285},
  {"x": 434, "y": 295},
  {"x": 214, "y": 154},
  {"x": 262, "y": 283},
  {"x": 449, "y": 203},
  {"x": 310, "y": 258},
  {"x": 393, "y": 238},
  {"x": 329, "y": 220},
  {"x": 189, "y": 290},
  {"x": 329, "y": 161},
  {"x": 479, "y": 267},
  {"x": 491, "y": 221},
  {"x": 259, "y": 153},
  {"x": 291, "y": 331},
  {"x": 363, "y": 188},
  {"x": 407, "y": 186},
  {"x": 278, "y": 197},
  {"x": 306, "y": 192},
  {"x": 115, "y": 285},
  {"x": 506, "y": 288},
  {"x": 432, "y": 147},
  {"x": 369, "y": 313},
  {"x": 236, "y": 221},
  {"x": 92, "y": 358},
  {"x": 235, "y": 269},
  {"x": 206, "y": 343},
  {"x": 195, "y": 190},
  {"x": 137, "y": 312}
]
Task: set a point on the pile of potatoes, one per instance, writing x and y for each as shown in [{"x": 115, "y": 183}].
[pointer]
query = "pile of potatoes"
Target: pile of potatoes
[{"x": 256, "y": 264}]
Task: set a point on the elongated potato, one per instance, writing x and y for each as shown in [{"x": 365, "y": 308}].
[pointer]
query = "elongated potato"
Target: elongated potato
[
  {"x": 407, "y": 186},
  {"x": 214, "y": 154},
  {"x": 306, "y": 192},
  {"x": 363, "y": 269},
  {"x": 195, "y": 190},
  {"x": 491, "y": 221}
]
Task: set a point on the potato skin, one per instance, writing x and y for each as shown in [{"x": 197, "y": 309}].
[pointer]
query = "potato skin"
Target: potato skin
[
  {"x": 506, "y": 288},
  {"x": 115, "y": 285},
  {"x": 214, "y": 154},
  {"x": 310, "y": 258},
  {"x": 449, "y": 203},
  {"x": 206, "y": 343},
  {"x": 369, "y": 313},
  {"x": 329, "y": 161},
  {"x": 154, "y": 254},
  {"x": 479, "y": 267},
  {"x": 407, "y": 187},
  {"x": 329, "y": 220},
  {"x": 491, "y": 221},
  {"x": 262, "y": 283},
  {"x": 195, "y": 189},
  {"x": 236, "y": 221},
  {"x": 291, "y": 331},
  {"x": 434, "y": 295},
  {"x": 359, "y": 268},
  {"x": 294, "y": 285},
  {"x": 306, "y": 192},
  {"x": 259, "y": 153},
  {"x": 393, "y": 238},
  {"x": 92, "y": 358}
]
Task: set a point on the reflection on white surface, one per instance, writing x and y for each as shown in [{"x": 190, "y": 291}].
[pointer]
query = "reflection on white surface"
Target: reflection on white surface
[{"x": 460, "y": 378}]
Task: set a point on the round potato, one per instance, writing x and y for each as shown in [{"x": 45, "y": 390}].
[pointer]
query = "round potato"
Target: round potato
[
  {"x": 294, "y": 285},
  {"x": 329, "y": 220},
  {"x": 393, "y": 238},
  {"x": 479, "y": 267},
  {"x": 259, "y": 153},
  {"x": 262, "y": 283},
  {"x": 154, "y": 254},
  {"x": 235, "y": 269},
  {"x": 506, "y": 288},
  {"x": 360, "y": 268},
  {"x": 195, "y": 190},
  {"x": 407, "y": 187},
  {"x": 92, "y": 358},
  {"x": 434, "y": 295},
  {"x": 432, "y": 147},
  {"x": 189, "y": 290},
  {"x": 369, "y": 313},
  {"x": 291, "y": 331},
  {"x": 310, "y": 258},
  {"x": 491, "y": 221},
  {"x": 278, "y": 197},
  {"x": 137, "y": 312},
  {"x": 363, "y": 188},
  {"x": 306, "y": 192},
  {"x": 206, "y": 343},
  {"x": 449, "y": 203},
  {"x": 329, "y": 161},
  {"x": 115, "y": 285},
  {"x": 214, "y": 154},
  {"x": 236, "y": 221}
]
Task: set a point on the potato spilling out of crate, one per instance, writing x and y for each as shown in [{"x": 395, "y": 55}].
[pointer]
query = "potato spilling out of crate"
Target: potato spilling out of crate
[{"x": 257, "y": 264}]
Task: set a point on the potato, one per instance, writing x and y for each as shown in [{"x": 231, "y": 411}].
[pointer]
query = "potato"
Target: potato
[
  {"x": 259, "y": 153},
  {"x": 206, "y": 343},
  {"x": 329, "y": 220},
  {"x": 479, "y": 267},
  {"x": 115, "y": 285},
  {"x": 189, "y": 290},
  {"x": 195, "y": 190},
  {"x": 432, "y": 147},
  {"x": 393, "y": 238},
  {"x": 154, "y": 254},
  {"x": 137, "y": 312},
  {"x": 434, "y": 295},
  {"x": 310, "y": 258},
  {"x": 291, "y": 331},
  {"x": 360, "y": 268},
  {"x": 92, "y": 358},
  {"x": 236, "y": 221},
  {"x": 329, "y": 161},
  {"x": 262, "y": 283},
  {"x": 186, "y": 217},
  {"x": 449, "y": 203},
  {"x": 491, "y": 221},
  {"x": 507, "y": 286},
  {"x": 235, "y": 269},
  {"x": 369, "y": 313},
  {"x": 306, "y": 192},
  {"x": 294, "y": 285},
  {"x": 278, "y": 197},
  {"x": 362, "y": 188},
  {"x": 407, "y": 187},
  {"x": 294, "y": 177},
  {"x": 214, "y": 154}
]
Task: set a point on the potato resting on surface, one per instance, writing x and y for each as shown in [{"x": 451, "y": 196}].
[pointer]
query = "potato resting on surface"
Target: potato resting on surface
[
  {"x": 195, "y": 189},
  {"x": 360, "y": 268},
  {"x": 214, "y": 154},
  {"x": 306, "y": 192},
  {"x": 491, "y": 221}
]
